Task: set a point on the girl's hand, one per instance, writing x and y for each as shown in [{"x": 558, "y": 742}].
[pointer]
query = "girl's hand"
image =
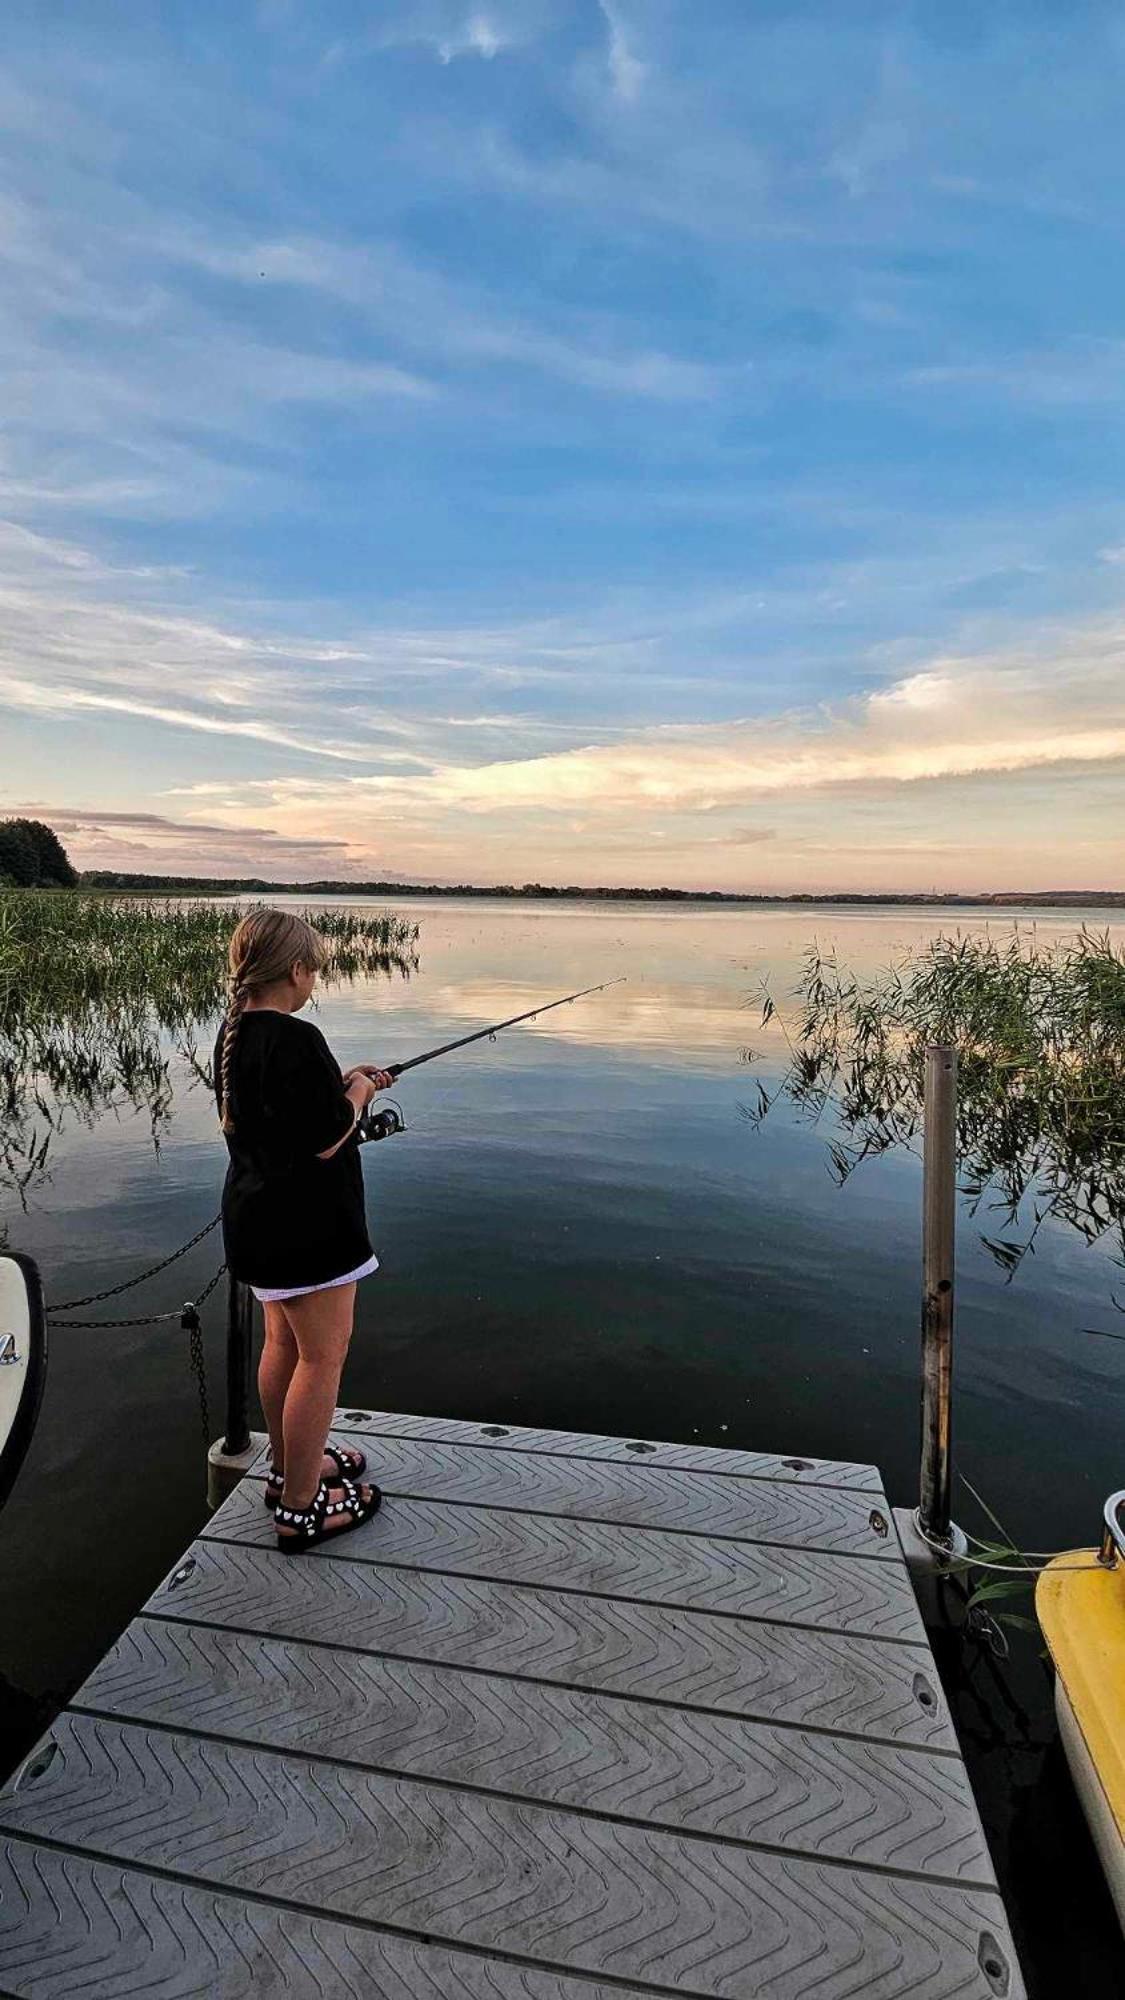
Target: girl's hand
[{"x": 380, "y": 1078}]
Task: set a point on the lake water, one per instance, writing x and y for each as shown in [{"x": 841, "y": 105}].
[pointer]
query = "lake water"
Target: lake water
[{"x": 581, "y": 1230}]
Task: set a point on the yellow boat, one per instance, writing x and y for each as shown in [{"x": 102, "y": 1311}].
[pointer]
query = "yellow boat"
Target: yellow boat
[{"x": 1080, "y": 1601}]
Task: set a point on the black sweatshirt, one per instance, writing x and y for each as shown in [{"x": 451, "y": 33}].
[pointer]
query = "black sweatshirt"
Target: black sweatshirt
[{"x": 289, "y": 1218}]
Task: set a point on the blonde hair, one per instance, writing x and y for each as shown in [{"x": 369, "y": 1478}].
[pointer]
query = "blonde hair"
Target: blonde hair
[{"x": 264, "y": 948}]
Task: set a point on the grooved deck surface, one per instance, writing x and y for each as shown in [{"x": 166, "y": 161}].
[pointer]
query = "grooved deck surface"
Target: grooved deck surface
[{"x": 571, "y": 1718}]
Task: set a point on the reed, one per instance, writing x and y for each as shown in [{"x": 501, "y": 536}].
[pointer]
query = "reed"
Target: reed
[
  {"x": 1040, "y": 1034},
  {"x": 100, "y": 995}
]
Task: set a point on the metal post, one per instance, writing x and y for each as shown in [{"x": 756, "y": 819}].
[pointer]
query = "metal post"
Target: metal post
[
  {"x": 939, "y": 1208},
  {"x": 1112, "y": 1550},
  {"x": 239, "y": 1328}
]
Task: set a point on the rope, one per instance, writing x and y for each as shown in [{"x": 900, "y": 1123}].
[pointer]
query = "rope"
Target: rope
[
  {"x": 113, "y": 1291},
  {"x": 970, "y": 1561}
]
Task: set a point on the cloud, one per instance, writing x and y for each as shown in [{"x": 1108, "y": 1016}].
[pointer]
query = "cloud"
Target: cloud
[
  {"x": 284, "y": 375},
  {"x": 626, "y": 70},
  {"x": 864, "y": 162},
  {"x": 675, "y": 167},
  {"x": 451, "y": 30},
  {"x": 878, "y": 781},
  {"x": 129, "y": 390},
  {"x": 457, "y": 322},
  {"x": 867, "y": 791},
  {"x": 82, "y": 636},
  {"x": 951, "y": 718},
  {"x": 120, "y": 665},
  {"x": 76, "y": 819},
  {"x": 377, "y": 708},
  {"x": 72, "y": 645},
  {"x": 478, "y": 37},
  {"x": 46, "y": 551},
  {"x": 66, "y": 654},
  {"x": 151, "y": 843},
  {"x": 1082, "y": 371}
]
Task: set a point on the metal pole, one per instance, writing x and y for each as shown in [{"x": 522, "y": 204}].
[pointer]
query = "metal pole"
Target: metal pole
[
  {"x": 239, "y": 1328},
  {"x": 939, "y": 1208}
]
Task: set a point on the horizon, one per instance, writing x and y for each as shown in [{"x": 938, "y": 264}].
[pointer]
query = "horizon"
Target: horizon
[
  {"x": 407, "y": 885},
  {"x": 663, "y": 448}
]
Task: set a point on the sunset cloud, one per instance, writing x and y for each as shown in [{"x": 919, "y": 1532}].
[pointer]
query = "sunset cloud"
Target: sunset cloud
[
  {"x": 952, "y": 718},
  {"x": 663, "y": 798},
  {"x": 152, "y": 843}
]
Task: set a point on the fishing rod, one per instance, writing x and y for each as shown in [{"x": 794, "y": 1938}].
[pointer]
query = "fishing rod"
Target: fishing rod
[{"x": 388, "y": 1119}]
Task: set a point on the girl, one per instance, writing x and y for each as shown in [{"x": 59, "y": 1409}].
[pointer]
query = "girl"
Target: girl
[{"x": 294, "y": 1223}]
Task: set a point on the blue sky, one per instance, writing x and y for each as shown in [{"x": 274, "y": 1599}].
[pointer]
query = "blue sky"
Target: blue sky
[{"x": 581, "y": 440}]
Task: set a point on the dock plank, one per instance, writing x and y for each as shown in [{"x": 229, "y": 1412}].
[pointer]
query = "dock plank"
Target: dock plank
[
  {"x": 655, "y": 1566},
  {"x": 636, "y": 1495},
  {"x": 73, "y": 1926},
  {"x": 793, "y": 1470},
  {"x": 565, "y": 1890},
  {"x": 859, "y": 1686},
  {"x": 871, "y": 1803},
  {"x": 573, "y": 1717}
]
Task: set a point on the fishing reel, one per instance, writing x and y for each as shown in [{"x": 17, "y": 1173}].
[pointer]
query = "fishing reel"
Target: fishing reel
[{"x": 379, "y": 1122}]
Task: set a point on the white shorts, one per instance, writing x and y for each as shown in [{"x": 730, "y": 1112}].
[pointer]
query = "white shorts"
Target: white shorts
[{"x": 269, "y": 1294}]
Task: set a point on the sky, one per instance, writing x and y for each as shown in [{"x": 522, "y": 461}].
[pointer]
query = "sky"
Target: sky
[{"x": 578, "y": 441}]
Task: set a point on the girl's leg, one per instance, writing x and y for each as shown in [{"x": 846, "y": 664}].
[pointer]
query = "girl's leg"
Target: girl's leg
[
  {"x": 321, "y": 1324},
  {"x": 275, "y": 1372}
]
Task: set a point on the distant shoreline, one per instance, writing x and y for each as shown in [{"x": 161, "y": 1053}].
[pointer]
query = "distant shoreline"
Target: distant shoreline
[{"x": 201, "y": 885}]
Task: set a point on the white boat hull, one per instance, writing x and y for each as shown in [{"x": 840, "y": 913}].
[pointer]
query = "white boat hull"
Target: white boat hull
[{"x": 23, "y": 1362}]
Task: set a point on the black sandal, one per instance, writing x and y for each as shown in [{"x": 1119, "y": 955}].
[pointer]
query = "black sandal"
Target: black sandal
[
  {"x": 349, "y": 1463},
  {"x": 310, "y": 1523}
]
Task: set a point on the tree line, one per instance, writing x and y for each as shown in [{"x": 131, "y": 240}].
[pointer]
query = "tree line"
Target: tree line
[
  {"x": 33, "y": 857},
  {"x": 114, "y": 880}
]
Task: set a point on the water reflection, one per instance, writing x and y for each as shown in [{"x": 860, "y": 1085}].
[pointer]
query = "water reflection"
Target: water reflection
[{"x": 645, "y": 1017}]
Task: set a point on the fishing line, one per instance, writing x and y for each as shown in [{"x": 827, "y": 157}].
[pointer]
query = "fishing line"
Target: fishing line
[
  {"x": 513, "y": 1021},
  {"x": 373, "y": 1125}
]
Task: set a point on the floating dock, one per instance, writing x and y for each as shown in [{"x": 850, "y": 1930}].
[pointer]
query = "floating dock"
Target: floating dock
[{"x": 573, "y": 1718}]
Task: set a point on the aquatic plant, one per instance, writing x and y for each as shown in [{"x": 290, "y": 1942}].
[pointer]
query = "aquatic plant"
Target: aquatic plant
[
  {"x": 1040, "y": 1035},
  {"x": 99, "y": 995}
]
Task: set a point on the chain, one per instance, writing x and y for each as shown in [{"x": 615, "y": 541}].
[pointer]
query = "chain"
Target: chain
[
  {"x": 113, "y": 1291},
  {"x": 148, "y": 1319},
  {"x": 198, "y": 1368},
  {"x": 142, "y": 1319},
  {"x": 210, "y": 1285}
]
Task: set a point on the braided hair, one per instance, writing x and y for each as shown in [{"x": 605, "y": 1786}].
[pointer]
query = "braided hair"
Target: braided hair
[
  {"x": 264, "y": 948},
  {"x": 237, "y": 996}
]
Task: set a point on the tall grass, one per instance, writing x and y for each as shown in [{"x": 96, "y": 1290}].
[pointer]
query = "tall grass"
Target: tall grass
[
  {"x": 98, "y": 995},
  {"x": 1040, "y": 1034}
]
